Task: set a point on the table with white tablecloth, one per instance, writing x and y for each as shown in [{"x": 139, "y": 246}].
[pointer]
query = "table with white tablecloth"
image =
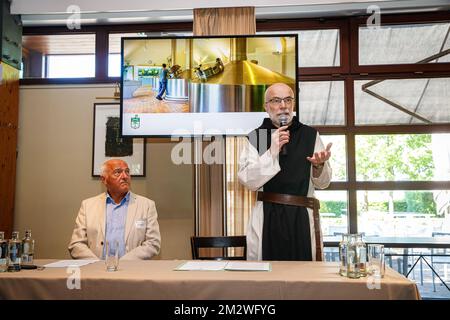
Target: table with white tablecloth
[{"x": 157, "y": 279}]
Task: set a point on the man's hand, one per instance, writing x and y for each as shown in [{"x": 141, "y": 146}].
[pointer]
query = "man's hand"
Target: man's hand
[
  {"x": 320, "y": 157},
  {"x": 279, "y": 138}
]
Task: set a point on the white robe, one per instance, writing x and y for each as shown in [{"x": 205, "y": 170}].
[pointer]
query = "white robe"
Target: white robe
[{"x": 254, "y": 172}]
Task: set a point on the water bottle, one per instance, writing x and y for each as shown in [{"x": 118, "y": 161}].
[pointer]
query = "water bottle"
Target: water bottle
[
  {"x": 343, "y": 255},
  {"x": 3, "y": 253},
  {"x": 27, "y": 249},
  {"x": 362, "y": 255},
  {"x": 14, "y": 252}
]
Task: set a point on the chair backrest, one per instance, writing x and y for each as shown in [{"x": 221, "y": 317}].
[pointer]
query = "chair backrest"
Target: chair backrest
[{"x": 219, "y": 242}]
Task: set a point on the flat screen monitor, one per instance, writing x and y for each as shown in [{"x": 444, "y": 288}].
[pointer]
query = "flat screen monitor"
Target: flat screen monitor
[{"x": 214, "y": 85}]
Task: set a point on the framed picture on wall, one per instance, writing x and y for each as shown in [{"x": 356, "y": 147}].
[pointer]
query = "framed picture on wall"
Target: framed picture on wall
[{"x": 108, "y": 143}]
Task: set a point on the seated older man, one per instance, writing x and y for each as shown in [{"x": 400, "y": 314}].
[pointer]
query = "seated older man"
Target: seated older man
[{"x": 117, "y": 216}]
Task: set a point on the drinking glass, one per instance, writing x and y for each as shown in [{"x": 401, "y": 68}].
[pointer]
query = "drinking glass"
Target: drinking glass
[
  {"x": 112, "y": 255},
  {"x": 377, "y": 265}
]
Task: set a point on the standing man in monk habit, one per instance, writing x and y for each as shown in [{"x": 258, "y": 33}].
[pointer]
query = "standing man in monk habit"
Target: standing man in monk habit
[{"x": 285, "y": 160}]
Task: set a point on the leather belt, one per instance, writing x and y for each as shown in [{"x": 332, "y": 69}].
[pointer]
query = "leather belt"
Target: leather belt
[
  {"x": 299, "y": 201},
  {"x": 289, "y": 199}
]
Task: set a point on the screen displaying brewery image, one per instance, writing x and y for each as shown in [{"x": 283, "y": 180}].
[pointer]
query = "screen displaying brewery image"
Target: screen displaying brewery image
[{"x": 214, "y": 85}]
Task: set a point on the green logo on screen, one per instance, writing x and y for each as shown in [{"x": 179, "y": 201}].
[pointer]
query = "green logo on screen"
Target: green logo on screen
[{"x": 135, "y": 122}]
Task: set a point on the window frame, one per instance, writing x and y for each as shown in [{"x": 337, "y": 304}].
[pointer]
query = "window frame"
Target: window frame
[
  {"x": 101, "y": 47},
  {"x": 315, "y": 24},
  {"x": 416, "y": 69},
  {"x": 350, "y": 130}
]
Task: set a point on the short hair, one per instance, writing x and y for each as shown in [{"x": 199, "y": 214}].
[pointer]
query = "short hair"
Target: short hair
[
  {"x": 103, "y": 168},
  {"x": 276, "y": 84},
  {"x": 164, "y": 65}
]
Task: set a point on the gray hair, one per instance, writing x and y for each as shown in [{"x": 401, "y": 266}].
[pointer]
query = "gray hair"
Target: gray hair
[
  {"x": 103, "y": 169},
  {"x": 275, "y": 85}
]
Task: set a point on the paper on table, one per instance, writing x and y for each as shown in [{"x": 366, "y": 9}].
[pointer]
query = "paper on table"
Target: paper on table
[
  {"x": 223, "y": 265},
  {"x": 202, "y": 265},
  {"x": 70, "y": 263},
  {"x": 248, "y": 266}
]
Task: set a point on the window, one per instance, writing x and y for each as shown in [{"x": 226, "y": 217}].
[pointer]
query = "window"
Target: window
[
  {"x": 403, "y": 213},
  {"x": 400, "y": 44},
  {"x": 403, "y": 157},
  {"x": 316, "y": 48},
  {"x": 319, "y": 48},
  {"x": 402, "y": 101},
  {"x": 70, "y": 66},
  {"x": 115, "y": 46},
  {"x": 390, "y": 154},
  {"x": 321, "y": 103},
  {"x": 333, "y": 213},
  {"x": 338, "y": 160},
  {"x": 114, "y": 51},
  {"x": 54, "y": 54},
  {"x": 58, "y": 56},
  {"x": 114, "y": 65}
]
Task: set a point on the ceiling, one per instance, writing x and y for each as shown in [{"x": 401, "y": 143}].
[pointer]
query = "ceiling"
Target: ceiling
[{"x": 51, "y": 12}]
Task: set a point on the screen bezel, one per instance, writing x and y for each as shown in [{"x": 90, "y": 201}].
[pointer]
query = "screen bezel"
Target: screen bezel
[{"x": 295, "y": 35}]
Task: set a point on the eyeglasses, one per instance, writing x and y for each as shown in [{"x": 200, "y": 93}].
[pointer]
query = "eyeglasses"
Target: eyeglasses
[
  {"x": 276, "y": 101},
  {"x": 117, "y": 172}
]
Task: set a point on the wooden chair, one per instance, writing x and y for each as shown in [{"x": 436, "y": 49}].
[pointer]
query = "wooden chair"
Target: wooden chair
[{"x": 219, "y": 242}]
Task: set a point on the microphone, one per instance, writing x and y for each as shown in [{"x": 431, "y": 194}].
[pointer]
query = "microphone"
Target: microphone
[{"x": 283, "y": 121}]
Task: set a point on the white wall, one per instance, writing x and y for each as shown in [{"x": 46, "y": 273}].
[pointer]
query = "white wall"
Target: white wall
[{"x": 54, "y": 172}]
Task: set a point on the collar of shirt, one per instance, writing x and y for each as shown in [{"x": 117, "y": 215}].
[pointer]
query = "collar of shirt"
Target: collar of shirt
[{"x": 111, "y": 200}]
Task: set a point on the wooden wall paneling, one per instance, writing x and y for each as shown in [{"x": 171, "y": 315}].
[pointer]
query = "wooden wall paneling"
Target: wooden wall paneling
[{"x": 9, "y": 105}]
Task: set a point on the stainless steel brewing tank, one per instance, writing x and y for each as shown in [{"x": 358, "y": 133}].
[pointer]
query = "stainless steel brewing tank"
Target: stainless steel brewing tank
[
  {"x": 240, "y": 87},
  {"x": 177, "y": 89},
  {"x": 205, "y": 97},
  {"x": 155, "y": 84}
]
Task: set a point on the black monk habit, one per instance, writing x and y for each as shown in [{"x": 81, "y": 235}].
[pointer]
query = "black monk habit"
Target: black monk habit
[{"x": 286, "y": 228}]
